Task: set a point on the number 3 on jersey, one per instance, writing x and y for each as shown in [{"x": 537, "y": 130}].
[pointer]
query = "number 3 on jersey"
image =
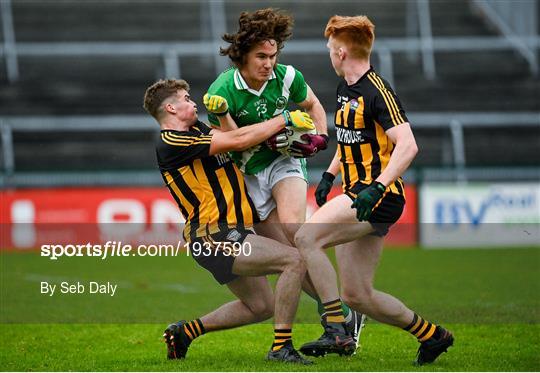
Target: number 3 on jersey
[{"x": 260, "y": 106}]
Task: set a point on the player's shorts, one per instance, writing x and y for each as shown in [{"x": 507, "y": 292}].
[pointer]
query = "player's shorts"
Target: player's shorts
[
  {"x": 385, "y": 213},
  {"x": 260, "y": 185},
  {"x": 212, "y": 257}
]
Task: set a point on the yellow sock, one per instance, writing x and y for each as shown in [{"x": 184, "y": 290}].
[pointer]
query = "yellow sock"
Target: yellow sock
[
  {"x": 420, "y": 328},
  {"x": 334, "y": 311},
  {"x": 281, "y": 336},
  {"x": 194, "y": 329}
]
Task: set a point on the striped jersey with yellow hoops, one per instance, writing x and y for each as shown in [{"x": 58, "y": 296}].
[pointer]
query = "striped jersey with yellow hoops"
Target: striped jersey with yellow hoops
[
  {"x": 209, "y": 189},
  {"x": 364, "y": 111}
]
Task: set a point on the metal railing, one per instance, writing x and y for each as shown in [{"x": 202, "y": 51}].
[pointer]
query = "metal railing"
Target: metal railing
[
  {"x": 516, "y": 36},
  {"x": 455, "y": 121},
  {"x": 515, "y": 20},
  {"x": 426, "y": 39},
  {"x": 171, "y": 52},
  {"x": 518, "y": 27},
  {"x": 212, "y": 25},
  {"x": 9, "y": 46}
]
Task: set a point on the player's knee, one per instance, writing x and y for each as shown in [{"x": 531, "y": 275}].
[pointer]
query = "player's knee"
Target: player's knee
[
  {"x": 358, "y": 298},
  {"x": 295, "y": 262},
  {"x": 303, "y": 240},
  {"x": 290, "y": 231},
  {"x": 262, "y": 308}
]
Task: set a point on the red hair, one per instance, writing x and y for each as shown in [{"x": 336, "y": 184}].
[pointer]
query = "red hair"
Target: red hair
[{"x": 357, "y": 32}]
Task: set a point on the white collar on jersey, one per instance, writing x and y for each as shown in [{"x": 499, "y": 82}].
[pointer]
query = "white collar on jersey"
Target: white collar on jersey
[{"x": 241, "y": 84}]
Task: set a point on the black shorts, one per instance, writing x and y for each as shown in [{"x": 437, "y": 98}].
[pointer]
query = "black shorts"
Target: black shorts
[
  {"x": 385, "y": 214},
  {"x": 211, "y": 255}
]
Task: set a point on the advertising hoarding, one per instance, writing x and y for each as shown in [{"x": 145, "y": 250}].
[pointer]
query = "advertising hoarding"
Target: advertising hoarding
[{"x": 479, "y": 214}]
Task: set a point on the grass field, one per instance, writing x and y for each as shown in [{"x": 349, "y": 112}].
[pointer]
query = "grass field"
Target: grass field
[{"x": 490, "y": 299}]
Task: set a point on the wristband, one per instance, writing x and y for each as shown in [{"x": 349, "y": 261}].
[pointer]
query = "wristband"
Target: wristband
[{"x": 287, "y": 117}]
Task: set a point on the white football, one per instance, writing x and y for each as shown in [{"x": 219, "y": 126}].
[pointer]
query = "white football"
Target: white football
[{"x": 294, "y": 134}]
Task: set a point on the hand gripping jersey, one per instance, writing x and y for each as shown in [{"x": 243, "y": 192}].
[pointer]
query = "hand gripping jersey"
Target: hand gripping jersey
[
  {"x": 364, "y": 111},
  {"x": 209, "y": 189},
  {"x": 248, "y": 106}
]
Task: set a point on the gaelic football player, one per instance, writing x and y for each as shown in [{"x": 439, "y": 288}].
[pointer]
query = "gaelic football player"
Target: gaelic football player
[
  {"x": 375, "y": 147},
  {"x": 211, "y": 194},
  {"x": 257, "y": 89}
]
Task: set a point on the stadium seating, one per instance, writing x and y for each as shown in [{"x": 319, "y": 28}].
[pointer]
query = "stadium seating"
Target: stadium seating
[{"x": 97, "y": 85}]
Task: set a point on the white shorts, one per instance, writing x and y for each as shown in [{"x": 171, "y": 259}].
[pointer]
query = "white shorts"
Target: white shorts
[{"x": 260, "y": 185}]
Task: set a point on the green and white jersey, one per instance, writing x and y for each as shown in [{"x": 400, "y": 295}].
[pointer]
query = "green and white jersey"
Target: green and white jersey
[{"x": 248, "y": 106}]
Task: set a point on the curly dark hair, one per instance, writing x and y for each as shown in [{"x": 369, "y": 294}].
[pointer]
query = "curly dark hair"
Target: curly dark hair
[{"x": 253, "y": 28}]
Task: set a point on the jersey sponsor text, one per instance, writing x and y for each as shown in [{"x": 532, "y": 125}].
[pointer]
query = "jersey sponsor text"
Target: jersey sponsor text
[{"x": 347, "y": 136}]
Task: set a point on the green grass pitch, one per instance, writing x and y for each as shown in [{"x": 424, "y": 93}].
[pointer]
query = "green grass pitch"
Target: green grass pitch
[{"x": 490, "y": 299}]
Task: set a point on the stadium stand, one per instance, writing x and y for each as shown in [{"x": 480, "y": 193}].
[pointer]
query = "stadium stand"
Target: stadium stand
[{"x": 96, "y": 84}]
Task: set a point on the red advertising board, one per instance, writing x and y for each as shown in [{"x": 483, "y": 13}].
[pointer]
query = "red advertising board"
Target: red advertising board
[
  {"x": 88, "y": 205},
  {"x": 31, "y": 218},
  {"x": 45, "y": 214}
]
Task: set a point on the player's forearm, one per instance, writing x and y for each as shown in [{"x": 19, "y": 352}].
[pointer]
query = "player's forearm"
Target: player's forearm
[
  {"x": 226, "y": 122},
  {"x": 256, "y": 133},
  {"x": 317, "y": 113},
  {"x": 401, "y": 158},
  {"x": 334, "y": 168}
]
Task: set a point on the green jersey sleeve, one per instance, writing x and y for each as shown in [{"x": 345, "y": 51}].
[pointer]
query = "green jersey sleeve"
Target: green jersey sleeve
[
  {"x": 298, "y": 88},
  {"x": 213, "y": 120}
]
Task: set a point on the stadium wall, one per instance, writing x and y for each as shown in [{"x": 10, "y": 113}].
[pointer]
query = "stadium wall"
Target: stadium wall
[
  {"x": 437, "y": 215},
  {"x": 33, "y": 217}
]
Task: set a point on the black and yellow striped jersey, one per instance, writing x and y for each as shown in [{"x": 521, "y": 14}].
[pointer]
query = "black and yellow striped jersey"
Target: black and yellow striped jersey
[
  {"x": 209, "y": 189},
  {"x": 365, "y": 110}
]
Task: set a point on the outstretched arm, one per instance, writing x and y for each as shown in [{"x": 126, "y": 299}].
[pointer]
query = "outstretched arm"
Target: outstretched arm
[{"x": 246, "y": 137}]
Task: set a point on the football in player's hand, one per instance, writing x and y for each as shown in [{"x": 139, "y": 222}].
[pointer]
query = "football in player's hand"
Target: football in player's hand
[{"x": 295, "y": 134}]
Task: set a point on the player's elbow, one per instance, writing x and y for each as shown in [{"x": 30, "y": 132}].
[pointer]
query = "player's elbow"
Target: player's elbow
[
  {"x": 409, "y": 146},
  {"x": 413, "y": 148}
]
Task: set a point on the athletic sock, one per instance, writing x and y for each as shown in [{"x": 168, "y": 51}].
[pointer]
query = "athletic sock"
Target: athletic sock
[
  {"x": 281, "y": 336},
  {"x": 346, "y": 310},
  {"x": 320, "y": 308},
  {"x": 334, "y": 312},
  {"x": 422, "y": 329},
  {"x": 194, "y": 329}
]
